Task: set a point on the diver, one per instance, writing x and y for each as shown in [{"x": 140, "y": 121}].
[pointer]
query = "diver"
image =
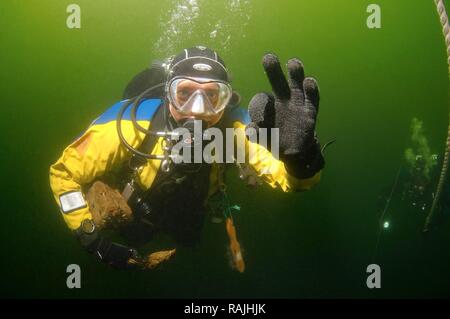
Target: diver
[
  {"x": 128, "y": 147},
  {"x": 419, "y": 169}
]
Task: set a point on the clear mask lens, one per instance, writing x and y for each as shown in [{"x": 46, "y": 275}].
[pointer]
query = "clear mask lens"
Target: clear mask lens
[{"x": 199, "y": 96}]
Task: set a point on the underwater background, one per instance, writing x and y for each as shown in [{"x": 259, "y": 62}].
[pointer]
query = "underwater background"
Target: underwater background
[{"x": 55, "y": 81}]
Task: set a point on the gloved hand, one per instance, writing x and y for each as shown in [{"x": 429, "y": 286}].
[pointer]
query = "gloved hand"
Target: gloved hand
[
  {"x": 111, "y": 253},
  {"x": 292, "y": 108}
]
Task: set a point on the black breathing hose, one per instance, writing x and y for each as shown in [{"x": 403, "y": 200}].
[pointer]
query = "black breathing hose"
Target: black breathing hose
[{"x": 135, "y": 101}]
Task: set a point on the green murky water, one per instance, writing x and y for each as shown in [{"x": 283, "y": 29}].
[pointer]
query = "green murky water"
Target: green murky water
[{"x": 55, "y": 81}]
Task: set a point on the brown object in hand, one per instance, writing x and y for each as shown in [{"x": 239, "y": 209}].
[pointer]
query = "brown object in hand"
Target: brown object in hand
[
  {"x": 107, "y": 206},
  {"x": 156, "y": 258},
  {"x": 153, "y": 260}
]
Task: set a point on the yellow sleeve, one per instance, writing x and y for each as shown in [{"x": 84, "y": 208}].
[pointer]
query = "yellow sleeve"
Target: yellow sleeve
[
  {"x": 271, "y": 170},
  {"x": 97, "y": 151}
]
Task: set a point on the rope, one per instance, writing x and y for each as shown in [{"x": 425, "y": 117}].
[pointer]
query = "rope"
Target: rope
[
  {"x": 445, "y": 26},
  {"x": 446, "y": 31}
]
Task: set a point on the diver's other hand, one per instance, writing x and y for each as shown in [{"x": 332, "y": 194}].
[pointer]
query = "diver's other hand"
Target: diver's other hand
[
  {"x": 293, "y": 109},
  {"x": 116, "y": 255},
  {"x": 111, "y": 253}
]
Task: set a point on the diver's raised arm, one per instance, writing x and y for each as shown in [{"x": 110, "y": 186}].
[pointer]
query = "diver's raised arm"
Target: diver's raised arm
[{"x": 292, "y": 108}]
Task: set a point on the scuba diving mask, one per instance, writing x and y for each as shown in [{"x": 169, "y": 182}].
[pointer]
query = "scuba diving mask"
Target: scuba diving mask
[{"x": 198, "y": 96}]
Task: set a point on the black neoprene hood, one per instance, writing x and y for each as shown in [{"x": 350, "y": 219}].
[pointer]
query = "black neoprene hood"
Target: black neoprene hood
[{"x": 198, "y": 62}]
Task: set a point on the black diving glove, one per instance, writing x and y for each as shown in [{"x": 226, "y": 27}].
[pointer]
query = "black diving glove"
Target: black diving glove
[
  {"x": 292, "y": 108},
  {"x": 111, "y": 253}
]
